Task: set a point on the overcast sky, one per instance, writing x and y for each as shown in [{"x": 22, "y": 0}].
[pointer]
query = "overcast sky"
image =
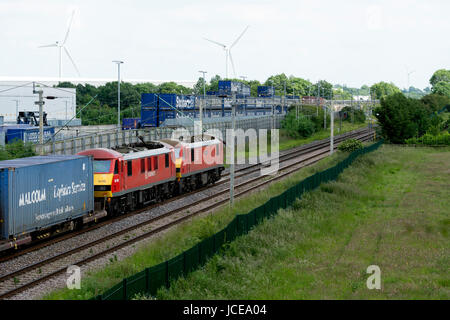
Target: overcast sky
[{"x": 348, "y": 42}]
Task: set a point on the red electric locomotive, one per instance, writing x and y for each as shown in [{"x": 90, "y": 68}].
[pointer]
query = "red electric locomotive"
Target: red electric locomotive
[
  {"x": 132, "y": 176},
  {"x": 199, "y": 162},
  {"x": 129, "y": 177}
]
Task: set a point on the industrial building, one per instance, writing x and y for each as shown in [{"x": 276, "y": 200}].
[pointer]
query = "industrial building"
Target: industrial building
[{"x": 15, "y": 98}]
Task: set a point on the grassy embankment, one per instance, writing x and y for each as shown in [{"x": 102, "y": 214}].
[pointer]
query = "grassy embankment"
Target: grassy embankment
[
  {"x": 182, "y": 237},
  {"x": 390, "y": 208},
  {"x": 286, "y": 142}
]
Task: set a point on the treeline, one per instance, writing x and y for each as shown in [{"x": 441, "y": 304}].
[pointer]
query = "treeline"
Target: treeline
[
  {"x": 402, "y": 118},
  {"x": 406, "y": 120},
  {"x": 103, "y": 109},
  {"x": 311, "y": 119}
]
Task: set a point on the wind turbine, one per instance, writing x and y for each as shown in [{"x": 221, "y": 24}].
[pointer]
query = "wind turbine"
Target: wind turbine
[
  {"x": 228, "y": 51},
  {"x": 61, "y": 46}
]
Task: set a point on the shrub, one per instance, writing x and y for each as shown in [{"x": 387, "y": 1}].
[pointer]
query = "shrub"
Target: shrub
[
  {"x": 442, "y": 139},
  {"x": 435, "y": 102},
  {"x": 350, "y": 145},
  {"x": 318, "y": 120},
  {"x": 357, "y": 115},
  {"x": 296, "y": 128},
  {"x": 16, "y": 150},
  {"x": 402, "y": 118}
]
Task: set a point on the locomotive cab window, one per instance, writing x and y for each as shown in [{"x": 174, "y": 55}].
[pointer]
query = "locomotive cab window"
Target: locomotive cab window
[
  {"x": 155, "y": 162},
  {"x": 167, "y": 160},
  {"x": 142, "y": 165},
  {"x": 192, "y": 154},
  {"x": 116, "y": 167},
  {"x": 102, "y": 166},
  {"x": 149, "y": 164},
  {"x": 129, "y": 168}
]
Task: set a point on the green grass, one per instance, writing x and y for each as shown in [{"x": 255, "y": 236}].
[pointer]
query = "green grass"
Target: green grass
[
  {"x": 390, "y": 208},
  {"x": 286, "y": 142},
  {"x": 182, "y": 237}
]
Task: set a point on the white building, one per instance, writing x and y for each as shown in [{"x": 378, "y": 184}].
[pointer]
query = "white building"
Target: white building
[
  {"x": 19, "y": 97},
  {"x": 361, "y": 98}
]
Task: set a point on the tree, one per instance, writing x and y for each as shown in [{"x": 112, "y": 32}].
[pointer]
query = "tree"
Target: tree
[
  {"x": 198, "y": 87},
  {"x": 277, "y": 81},
  {"x": 435, "y": 102},
  {"x": 172, "y": 87},
  {"x": 402, "y": 118},
  {"x": 214, "y": 83},
  {"x": 442, "y": 88},
  {"x": 146, "y": 88},
  {"x": 382, "y": 89},
  {"x": 326, "y": 89},
  {"x": 341, "y": 94},
  {"x": 440, "y": 75},
  {"x": 128, "y": 94},
  {"x": 254, "y": 84},
  {"x": 299, "y": 85}
]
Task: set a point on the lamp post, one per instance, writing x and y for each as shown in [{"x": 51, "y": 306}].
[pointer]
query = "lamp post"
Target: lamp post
[
  {"x": 331, "y": 127},
  {"x": 233, "y": 126},
  {"x": 118, "y": 62},
  {"x": 17, "y": 107},
  {"x": 204, "y": 101},
  {"x": 245, "y": 97}
]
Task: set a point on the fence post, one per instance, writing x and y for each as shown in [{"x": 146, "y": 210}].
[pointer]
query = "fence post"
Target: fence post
[
  {"x": 147, "y": 280},
  {"x": 124, "y": 288},
  {"x": 167, "y": 273}
]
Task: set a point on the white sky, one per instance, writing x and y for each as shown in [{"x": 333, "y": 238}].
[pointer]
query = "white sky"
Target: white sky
[{"x": 347, "y": 42}]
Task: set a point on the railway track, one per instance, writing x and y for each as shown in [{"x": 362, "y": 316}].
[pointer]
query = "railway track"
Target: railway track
[
  {"x": 33, "y": 274},
  {"x": 240, "y": 172}
]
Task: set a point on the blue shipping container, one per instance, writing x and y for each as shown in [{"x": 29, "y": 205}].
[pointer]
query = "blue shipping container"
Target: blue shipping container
[
  {"x": 39, "y": 192},
  {"x": 228, "y": 88},
  {"x": 131, "y": 123},
  {"x": 28, "y": 134},
  {"x": 265, "y": 91}
]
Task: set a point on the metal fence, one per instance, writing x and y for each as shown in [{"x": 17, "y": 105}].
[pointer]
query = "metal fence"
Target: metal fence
[
  {"x": 151, "y": 279},
  {"x": 120, "y": 137}
]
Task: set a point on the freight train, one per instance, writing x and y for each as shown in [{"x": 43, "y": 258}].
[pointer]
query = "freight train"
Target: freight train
[{"x": 46, "y": 195}]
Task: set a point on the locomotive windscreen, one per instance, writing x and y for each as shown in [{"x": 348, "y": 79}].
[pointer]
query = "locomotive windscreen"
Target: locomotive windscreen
[{"x": 102, "y": 166}]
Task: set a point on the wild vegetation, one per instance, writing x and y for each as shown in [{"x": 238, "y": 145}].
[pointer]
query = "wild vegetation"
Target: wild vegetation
[
  {"x": 183, "y": 237},
  {"x": 350, "y": 145},
  {"x": 389, "y": 209},
  {"x": 406, "y": 120},
  {"x": 16, "y": 150}
]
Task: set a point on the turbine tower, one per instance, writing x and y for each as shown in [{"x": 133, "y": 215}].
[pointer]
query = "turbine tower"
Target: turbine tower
[
  {"x": 61, "y": 46},
  {"x": 227, "y": 50}
]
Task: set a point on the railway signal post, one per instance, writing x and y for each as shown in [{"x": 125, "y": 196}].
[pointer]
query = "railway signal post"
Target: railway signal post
[
  {"x": 41, "y": 103},
  {"x": 331, "y": 128},
  {"x": 233, "y": 127}
]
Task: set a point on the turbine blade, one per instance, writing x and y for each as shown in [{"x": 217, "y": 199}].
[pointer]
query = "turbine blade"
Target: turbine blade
[
  {"x": 238, "y": 38},
  {"x": 218, "y": 43},
  {"x": 232, "y": 63},
  {"x": 49, "y": 45},
  {"x": 68, "y": 29},
  {"x": 73, "y": 62}
]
